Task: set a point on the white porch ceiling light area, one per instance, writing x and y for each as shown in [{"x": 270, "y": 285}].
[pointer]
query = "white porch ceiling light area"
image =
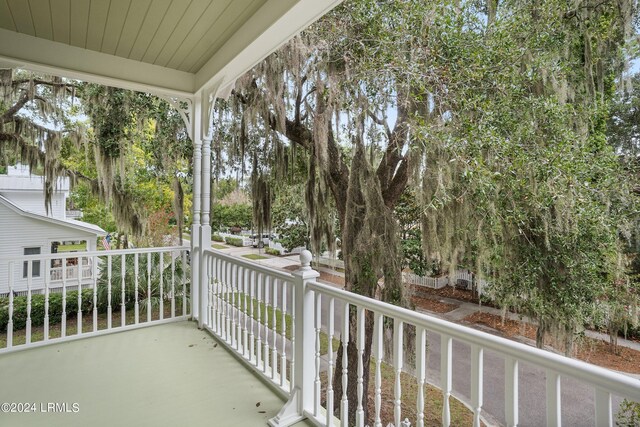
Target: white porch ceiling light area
[{"x": 168, "y": 47}]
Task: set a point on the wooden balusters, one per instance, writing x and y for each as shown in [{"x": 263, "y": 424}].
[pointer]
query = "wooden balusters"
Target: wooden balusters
[
  {"x": 274, "y": 328},
  {"x": 604, "y": 413},
  {"x": 149, "y": 287},
  {"x": 173, "y": 286},
  {"x": 378, "y": 354},
  {"x": 421, "y": 371},
  {"x": 360, "y": 386},
  {"x": 265, "y": 323},
  {"x": 511, "y": 391},
  {"x": 123, "y": 273},
  {"x": 184, "y": 283},
  {"x": 252, "y": 323},
  {"x": 553, "y": 399},
  {"x": 79, "y": 313},
  {"x": 47, "y": 278},
  {"x": 259, "y": 279},
  {"x": 29, "y": 285},
  {"x": 10, "y": 322},
  {"x": 317, "y": 328},
  {"x": 283, "y": 333},
  {"x": 344, "y": 401},
  {"x": 161, "y": 285},
  {"x": 136, "y": 274},
  {"x": 109, "y": 308},
  {"x": 63, "y": 320},
  {"x": 94, "y": 280},
  {"x": 330, "y": 360},
  {"x": 476, "y": 382},
  {"x": 398, "y": 359},
  {"x": 445, "y": 377}
]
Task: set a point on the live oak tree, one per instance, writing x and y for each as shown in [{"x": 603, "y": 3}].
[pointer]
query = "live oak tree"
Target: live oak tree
[
  {"x": 34, "y": 123},
  {"x": 494, "y": 112},
  {"x": 41, "y": 125}
]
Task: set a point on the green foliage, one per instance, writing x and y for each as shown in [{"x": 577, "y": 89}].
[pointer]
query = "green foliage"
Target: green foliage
[
  {"x": 289, "y": 217},
  {"x": 38, "y": 308},
  {"x": 272, "y": 251},
  {"x": 217, "y": 238},
  {"x": 148, "y": 286},
  {"x": 628, "y": 414},
  {"x": 234, "y": 241},
  {"x": 413, "y": 256},
  {"x": 234, "y": 215}
]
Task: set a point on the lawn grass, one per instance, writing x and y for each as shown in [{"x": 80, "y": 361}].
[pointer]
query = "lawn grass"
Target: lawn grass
[
  {"x": 70, "y": 248},
  {"x": 219, "y": 246},
  {"x": 433, "y": 398},
  {"x": 254, "y": 256}
]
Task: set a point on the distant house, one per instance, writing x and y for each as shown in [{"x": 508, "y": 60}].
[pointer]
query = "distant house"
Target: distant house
[{"x": 26, "y": 228}]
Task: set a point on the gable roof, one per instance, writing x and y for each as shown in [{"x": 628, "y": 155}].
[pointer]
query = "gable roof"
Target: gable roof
[{"x": 69, "y": 223}]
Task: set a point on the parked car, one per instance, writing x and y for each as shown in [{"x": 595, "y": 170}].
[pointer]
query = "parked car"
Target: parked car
[{"x": 257, "y": 242}]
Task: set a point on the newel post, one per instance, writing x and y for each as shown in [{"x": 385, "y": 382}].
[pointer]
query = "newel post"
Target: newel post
[{"x": 301, "y": 398}]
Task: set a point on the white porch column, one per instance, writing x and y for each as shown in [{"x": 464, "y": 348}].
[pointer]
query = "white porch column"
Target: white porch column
[
  {"x": 195, "y": 227},
  {"x": 205, "y": 228}
]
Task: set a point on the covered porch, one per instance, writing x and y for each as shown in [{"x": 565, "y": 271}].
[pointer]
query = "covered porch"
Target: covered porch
[{"x": 278, "y": 334}]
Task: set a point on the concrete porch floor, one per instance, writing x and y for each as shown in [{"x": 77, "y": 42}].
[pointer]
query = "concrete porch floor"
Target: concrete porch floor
[{"x": 165, "y": 375}]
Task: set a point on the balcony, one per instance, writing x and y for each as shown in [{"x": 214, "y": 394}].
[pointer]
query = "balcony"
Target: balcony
[{"x": 268, "y": 340}]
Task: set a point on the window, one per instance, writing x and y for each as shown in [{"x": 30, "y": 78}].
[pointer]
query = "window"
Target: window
[{"x": 35, "y": 265}]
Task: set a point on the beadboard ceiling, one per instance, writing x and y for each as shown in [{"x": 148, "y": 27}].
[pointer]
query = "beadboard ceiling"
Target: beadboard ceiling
[{"x": 178, "y": 45}]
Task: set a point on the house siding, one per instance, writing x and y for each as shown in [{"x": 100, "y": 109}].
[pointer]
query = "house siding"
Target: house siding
[
  {"x": 33, "y": 201},
  {"x": 18, "y": 232}
]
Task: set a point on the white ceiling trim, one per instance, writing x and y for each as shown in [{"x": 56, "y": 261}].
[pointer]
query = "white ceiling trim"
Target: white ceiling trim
[
  {"x": 276, "y": 22},
  {"x": 24, "y": 51}
]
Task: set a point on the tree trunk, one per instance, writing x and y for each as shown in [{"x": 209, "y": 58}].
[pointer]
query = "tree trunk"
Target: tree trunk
[{"x": 371, "y": 253}]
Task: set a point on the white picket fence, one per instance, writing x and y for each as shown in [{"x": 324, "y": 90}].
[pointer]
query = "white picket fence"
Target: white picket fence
[{"x": 463, "y": 278}]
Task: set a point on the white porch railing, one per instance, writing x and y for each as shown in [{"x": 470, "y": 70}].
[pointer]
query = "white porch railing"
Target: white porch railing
[
  {"x": 106, "y": 290},
  {"x": 274, "y": 321}
]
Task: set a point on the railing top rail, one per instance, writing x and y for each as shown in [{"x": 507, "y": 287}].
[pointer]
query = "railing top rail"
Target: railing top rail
[
  {"x": 611, "y": 381},
  {"x": 84, "y": 254},
  {"x": 250, "y": 265}
]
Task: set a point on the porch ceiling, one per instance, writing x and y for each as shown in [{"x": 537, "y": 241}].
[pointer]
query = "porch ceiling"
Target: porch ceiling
[{"x": 171, "y": 47}]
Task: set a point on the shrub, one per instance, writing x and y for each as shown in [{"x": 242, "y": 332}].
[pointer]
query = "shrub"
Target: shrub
[
  {"x": 38, "y": 305},
  {"x": 234, "y": 241},
  {"x": 217, "y": 238},
  {"x": 272, "y": 251}
]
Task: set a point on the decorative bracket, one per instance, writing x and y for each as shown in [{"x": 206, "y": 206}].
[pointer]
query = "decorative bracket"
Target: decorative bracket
[{"x": 184, "y": 106}]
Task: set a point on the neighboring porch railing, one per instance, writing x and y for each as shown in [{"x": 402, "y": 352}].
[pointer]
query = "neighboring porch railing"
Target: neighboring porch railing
[
  {"x": 277, "y": 323},
  {"x": 104, "y": 292}
]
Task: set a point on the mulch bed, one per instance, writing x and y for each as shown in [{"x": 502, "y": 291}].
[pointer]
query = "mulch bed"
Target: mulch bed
[
  {"x": 446, "y": 292},
  {"x": 434, "y": 305},
  {"x": 590, "y": 350},
  {"x": 327, "y": 277}
]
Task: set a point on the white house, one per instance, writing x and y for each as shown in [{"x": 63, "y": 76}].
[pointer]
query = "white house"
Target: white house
[{"x": 26, "y": 228}]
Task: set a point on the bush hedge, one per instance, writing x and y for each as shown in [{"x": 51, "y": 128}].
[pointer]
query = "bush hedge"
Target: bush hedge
[
  {"x": 272, "y": 251},
  {"x": 37, "y": 308},
  {"x": 234, "y": 241},
  {"x": 217, "y": 238}
]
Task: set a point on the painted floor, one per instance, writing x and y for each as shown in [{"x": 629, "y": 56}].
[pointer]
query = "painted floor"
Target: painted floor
[{"x": 165, "y": 375}]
